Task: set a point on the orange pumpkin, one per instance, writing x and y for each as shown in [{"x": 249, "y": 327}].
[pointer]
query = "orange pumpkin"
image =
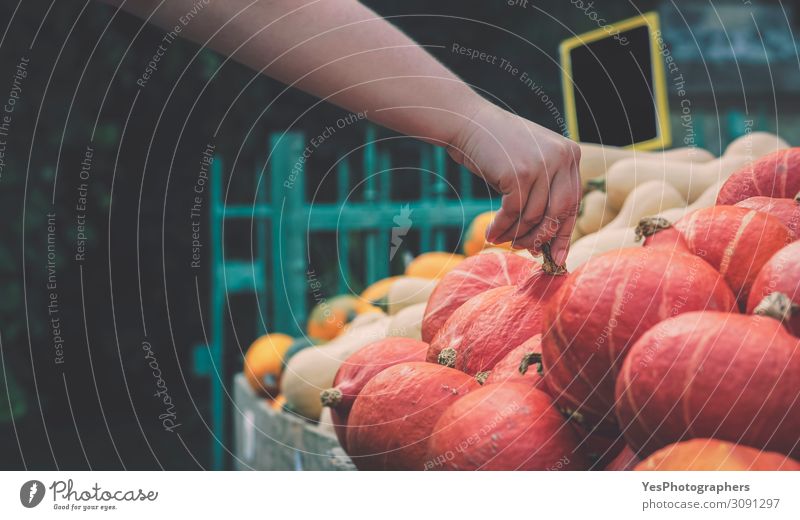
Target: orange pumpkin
[
  {"x": 263, "y": 360},
  {"x": 433, "y": 265},
  {"x": 329, "y": 317},
  {"x": 475, "y": 240},
  {"x": 715, "y": 455}
]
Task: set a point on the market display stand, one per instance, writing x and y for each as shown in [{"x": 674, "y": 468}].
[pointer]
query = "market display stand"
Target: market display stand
[{"x": 267, "y": 439}]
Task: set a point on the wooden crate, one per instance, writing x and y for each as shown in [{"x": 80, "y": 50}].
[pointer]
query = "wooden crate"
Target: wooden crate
[{"x": 266, "y": 439}]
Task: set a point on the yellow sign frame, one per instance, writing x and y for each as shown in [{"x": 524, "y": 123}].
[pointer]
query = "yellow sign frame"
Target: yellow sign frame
[{"x": 651, "y": 20}]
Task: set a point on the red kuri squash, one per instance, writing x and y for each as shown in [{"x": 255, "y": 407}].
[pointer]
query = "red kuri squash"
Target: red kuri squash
[
  {"x": 524, "y": 363},
  {"x": 735, "y": 241},
  {"x": 394, "y": 414},
  {"x": 626, "y": 460},
  {"x": 775, "y": 175},
  {"x": 659, "y": 232},
  {"x": 715, "y": 455},
  {"x": 780, "y": 274},
  {"x": 473, "y": 276},
  {"x": 712, "y": 374},
  {"x": 603, "y": 308},
  {"x": 488, "y": 326},
  {"x": 785, "y": 210},
  {"x": 359, "y": 368},
  {"x": 503, "y": 427}
]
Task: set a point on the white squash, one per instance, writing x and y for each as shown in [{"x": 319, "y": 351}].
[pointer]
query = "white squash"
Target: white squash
[
  {"x": 408, "y": 322},
  {"x": 597, "y": 159},
  {"x": 755, "y": 145},
  {"x": 408, "y": 291},
  {"x": 312, "y": 370},
  {"x": 598, "y": 243},
  {"x": 690, "y": 179},
  {"x": 646, "y": 200},
  {"x": 595, "y": 213}
]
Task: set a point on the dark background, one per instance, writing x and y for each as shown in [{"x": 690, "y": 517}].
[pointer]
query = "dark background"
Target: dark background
[{"x": 97, "y": 410}]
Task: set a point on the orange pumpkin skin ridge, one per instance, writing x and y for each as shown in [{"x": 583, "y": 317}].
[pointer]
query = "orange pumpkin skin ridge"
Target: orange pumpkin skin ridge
[
  {"x": 471, "y": 277},
  {"x": 712, "y": 374},
  {"x": 785, "y": 210},
  {"x": 774, "y": 175},
  {"x": 488, "y": 326},
  {"x": 507, "y": 369},
  {"x": 781, "y": 273},
  {"x": 503, "y": 427},
  {"x": 735, "y": 241},
  {"x": 600, "y": 312},
  {"x": 362, "y": 366},
  {"x": 394, "y": 414},
  {"x": 715, "y": 455}
]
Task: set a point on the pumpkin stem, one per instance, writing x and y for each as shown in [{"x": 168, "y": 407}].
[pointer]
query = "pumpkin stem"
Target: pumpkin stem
[
  {"x": 447, "y": 357},
  {"x": 548, "y": 265},
  {"x": 777, "y": 306},
  {"x": 330, "y": 397},
  {"x": 649, "y": 226},
  {"x": 528, "y": 359},
  {"x": 481, "y": 377}
]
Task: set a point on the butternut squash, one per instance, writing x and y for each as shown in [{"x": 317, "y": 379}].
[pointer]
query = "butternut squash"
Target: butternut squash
[
  {"x": 408, "y": 322},
  {"x": 706, "y": 200},
  {"x": 408, "y": 291},
  {"x": 597, "y": 243},
  {"x": 597, "y": 159},
  {"x": 595, "y": 212},
  {"x": 645, "y": 200},
  {"x": 755, "y": 145},
  {"x": 312, "y": 370},
  {"x": 690, "y": 179}
]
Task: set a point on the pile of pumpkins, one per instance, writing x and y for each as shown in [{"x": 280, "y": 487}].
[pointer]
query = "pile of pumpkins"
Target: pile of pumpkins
[{"x": 676, "y": 350}]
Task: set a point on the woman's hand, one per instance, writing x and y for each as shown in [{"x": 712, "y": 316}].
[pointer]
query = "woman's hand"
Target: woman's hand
[{"x": 535, "y": 170}]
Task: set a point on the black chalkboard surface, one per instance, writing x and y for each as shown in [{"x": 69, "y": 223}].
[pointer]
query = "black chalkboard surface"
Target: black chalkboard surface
[{"x": 614, "y": 86}]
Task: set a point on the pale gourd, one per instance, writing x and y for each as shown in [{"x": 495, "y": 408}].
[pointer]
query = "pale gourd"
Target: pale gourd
[
  {"x": 312, "y": 370},
  {"x": 755, "y": 145},
  {"x": 597, "y": 159},
  {"x": 690, "y": 179},
  {"x": 408, "y": 322},
  {"x": 595, "y": 213},
  {"x": 646, "y": 200},
  {"x": 706, "y": 200},
  {"x": 408, "y": 291},
  {"x": 598, "y": 243}
]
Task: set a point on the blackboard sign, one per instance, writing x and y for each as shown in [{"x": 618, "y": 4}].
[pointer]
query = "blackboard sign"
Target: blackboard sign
[{"x": 614, "y": 85}]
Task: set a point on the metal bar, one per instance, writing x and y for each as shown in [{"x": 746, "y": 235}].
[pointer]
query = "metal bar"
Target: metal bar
[
  {"x": 260, "y": 259},
  {"x": 289, "y": 228},
  {"x": 371, "y": 236},
  {"x": 217, "y": 376},
  {"x": 342, "y": 234},
  {"x": 439, "y": 190},
  {"x": 466, "y": 183},
  {"x": 425, "y": 195},
  {"x": 326, "y": 217}
]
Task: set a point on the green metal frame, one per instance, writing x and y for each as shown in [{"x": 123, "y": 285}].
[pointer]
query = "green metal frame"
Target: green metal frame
[{"x": 286, "y": 215}]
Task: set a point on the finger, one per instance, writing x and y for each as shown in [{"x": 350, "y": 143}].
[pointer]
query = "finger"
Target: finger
[
  {"x": 507, "y": 217},
  {"x": 531, "y": 214},
  {"x": 559, "y": 245},
  {"x": 561, "y": 206},
  {"x": 561, "y": 242}
]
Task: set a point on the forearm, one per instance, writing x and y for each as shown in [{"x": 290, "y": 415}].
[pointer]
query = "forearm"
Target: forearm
[{"x": 338, "y": 50}]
